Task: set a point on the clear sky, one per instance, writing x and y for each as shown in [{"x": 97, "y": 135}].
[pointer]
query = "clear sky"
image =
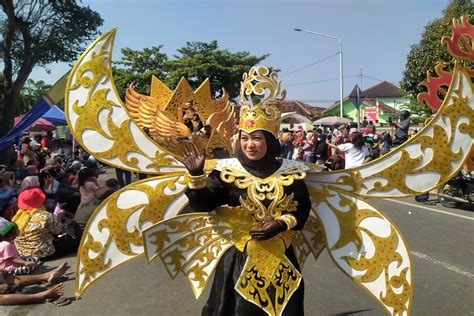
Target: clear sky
[{"x": 376, "y": 36}]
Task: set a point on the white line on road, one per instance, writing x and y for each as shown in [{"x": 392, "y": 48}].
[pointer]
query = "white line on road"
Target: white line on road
[
  {"x": 443, "y": 264},
  {"x": 432, "y": 209}
]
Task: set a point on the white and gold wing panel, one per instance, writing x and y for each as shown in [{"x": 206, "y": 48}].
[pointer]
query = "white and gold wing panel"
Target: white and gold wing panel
[
  {"x": 99, "y": 121},
  {"x": 191, "y": 244},
  {"x": 424, "y": 162},
  {"x": 310, "y": 240},
  {"x": 113, "y": 234},
  {"x": 367, "y": 247}
]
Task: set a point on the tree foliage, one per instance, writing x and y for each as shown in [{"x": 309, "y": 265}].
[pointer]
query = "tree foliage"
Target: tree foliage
[
  {"x": 196, "y": 61},
  {"x": 31, "y": 93},
  {"x": 36, "y": 33},
  {"x": 424, "y": 56},
  {"x": 138, "y": 67}
]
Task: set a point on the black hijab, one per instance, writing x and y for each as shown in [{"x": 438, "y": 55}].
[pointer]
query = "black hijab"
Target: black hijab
[{"x": 268, "y": 164}]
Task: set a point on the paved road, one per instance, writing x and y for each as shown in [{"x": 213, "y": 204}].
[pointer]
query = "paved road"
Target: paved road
[{"x": 441, "y": 242}]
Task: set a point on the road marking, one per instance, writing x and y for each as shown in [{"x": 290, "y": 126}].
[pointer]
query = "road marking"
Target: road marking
[
  {"x": 443, "y": 264},
  {"x": 432, "y": 209}
]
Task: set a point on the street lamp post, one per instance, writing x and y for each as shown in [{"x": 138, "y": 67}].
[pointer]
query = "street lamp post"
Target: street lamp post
[{"x": 341, "y": 71}]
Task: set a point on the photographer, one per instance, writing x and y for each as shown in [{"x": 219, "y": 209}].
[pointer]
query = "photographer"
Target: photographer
[{"x": 402, "y": 126}]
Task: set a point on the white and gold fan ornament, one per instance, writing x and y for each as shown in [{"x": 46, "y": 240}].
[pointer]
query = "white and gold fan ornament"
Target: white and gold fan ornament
[{"x": 146, "y": 135}]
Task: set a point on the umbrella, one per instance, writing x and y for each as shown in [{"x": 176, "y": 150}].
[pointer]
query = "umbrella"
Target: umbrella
[{"x": 331, "y": 121}]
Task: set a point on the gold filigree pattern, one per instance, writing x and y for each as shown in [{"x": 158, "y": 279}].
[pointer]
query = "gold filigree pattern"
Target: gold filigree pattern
[
  {"x": 310, "y": 240},
  {"x": 259, "y": 190},
  {"x": 394, "y": 300},
  {"x": 88, "y": 266},
  {"x": 92, "y": 106},
  {"x": 365, "y": 245},
  {"x": 265, "y": 267},
  {"x": 190, "y": 244},
  {"x": 114, "y": 230},
  {"x": 267, "y": 113}
]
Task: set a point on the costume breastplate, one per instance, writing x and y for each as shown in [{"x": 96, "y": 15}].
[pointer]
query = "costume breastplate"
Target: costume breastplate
[{"x": 265, "y": 198}]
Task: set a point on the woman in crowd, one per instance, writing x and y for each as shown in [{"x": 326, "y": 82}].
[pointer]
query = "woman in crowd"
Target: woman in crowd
[
  {"x": 37, "y": 227},
  {"x": 308, "y": 148},
  {"x": 26, "y": 152},
  {"x": 355, "y": 151}
]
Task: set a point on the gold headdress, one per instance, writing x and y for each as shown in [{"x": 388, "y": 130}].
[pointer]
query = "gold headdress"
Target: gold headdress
[{"x": 266, "y": 114}]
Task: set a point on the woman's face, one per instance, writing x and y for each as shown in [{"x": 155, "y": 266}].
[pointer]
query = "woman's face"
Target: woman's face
[{"x": 253, "y": 145}]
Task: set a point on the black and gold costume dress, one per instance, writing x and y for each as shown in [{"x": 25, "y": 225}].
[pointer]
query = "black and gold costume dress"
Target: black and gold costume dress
[{"x": 231, "y": 271}]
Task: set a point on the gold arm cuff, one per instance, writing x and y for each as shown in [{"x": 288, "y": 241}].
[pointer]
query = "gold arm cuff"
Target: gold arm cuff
[
  {"x": 197, "y": 182},
  {"x": 289, "y": 220}
]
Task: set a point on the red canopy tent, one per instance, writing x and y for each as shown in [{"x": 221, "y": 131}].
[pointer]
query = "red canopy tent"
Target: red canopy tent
[{"x": 39, "y": 125}]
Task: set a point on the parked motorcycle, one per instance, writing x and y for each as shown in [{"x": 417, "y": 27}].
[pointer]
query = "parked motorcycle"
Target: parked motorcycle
[{"x": 458, "y": 190}]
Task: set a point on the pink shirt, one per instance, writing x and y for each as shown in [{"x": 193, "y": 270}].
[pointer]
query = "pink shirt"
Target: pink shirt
[
  {"x": 8, "y": 253},
  {"x": 88, "y": 191}
]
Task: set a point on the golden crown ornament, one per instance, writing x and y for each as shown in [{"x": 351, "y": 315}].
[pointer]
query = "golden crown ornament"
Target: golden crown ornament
[{"x": 266, "y": 114}]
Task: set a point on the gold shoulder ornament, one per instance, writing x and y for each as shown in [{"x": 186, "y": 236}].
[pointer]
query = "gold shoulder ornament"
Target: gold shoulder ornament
[{"x": 144, "y": 216}]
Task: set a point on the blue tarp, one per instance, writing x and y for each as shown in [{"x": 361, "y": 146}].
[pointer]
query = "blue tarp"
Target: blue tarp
[
  {"x": 55, "y": 116},
  {"x": 35, "y": 113}
]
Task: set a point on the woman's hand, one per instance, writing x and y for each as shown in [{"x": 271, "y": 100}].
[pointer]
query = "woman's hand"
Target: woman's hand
[
  {"x": 269, "y": 229},
  {"x": 193, "y": 161}
]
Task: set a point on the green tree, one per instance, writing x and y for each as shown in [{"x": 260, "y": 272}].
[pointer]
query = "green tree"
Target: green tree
[
  {"x": 198, "y": 61},
  {"x": 37, "y": 33},
  {"x": 31, "y": 93},
  {"x": 424, "y": 56},
  {"x": 138, "y": 67}
]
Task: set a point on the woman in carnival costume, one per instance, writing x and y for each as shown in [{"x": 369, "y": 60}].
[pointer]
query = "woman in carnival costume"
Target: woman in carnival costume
[
  {"x": 255, "y": 219},
  {"x": 264, "y": 199}
]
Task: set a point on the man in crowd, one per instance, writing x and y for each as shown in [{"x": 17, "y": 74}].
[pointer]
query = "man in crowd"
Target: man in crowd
[{"x": 402, "y": 126}]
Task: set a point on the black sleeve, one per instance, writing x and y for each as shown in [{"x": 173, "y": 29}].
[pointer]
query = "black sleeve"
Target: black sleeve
[
  {"x": 209, "y": 197},
  {"x": 304, "y": 204}
]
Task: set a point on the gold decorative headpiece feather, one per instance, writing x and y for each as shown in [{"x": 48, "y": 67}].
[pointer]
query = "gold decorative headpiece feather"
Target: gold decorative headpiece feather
[{"x": 266, "y": 114}]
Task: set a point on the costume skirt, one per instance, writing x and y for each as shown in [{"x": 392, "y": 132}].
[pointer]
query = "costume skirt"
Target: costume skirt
[{"x": 224, "y": 300}]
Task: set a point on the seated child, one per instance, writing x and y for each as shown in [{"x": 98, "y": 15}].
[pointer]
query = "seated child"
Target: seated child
[{"x": 10, "y": 259}]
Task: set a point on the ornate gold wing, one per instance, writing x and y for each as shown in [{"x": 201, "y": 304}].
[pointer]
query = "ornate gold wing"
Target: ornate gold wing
[
  {"x": 99, "y": 121},
  {"x": 424, "y": 162},
  {"x": 223, "y": 120},
  {"x": 113, "y": 234},
  {"x": 366, "y": 246},
  {"x": 362, "y": 241},
  {"x": 310, "y": 240},
  {"x": 191, "y": 244}
]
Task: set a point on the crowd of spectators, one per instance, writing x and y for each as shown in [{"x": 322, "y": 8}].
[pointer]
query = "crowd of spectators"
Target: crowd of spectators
[
  {"x": 47, "y": 194},
  {"x": 345, "y": 146}
]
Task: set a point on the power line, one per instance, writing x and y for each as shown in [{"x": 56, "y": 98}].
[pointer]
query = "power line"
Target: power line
[
  {"x": 371, "y": 78},
  {"x": 317, "y": 81},
  {"x": 312, "y": 101},
  {"x": 309, "y": 65}
]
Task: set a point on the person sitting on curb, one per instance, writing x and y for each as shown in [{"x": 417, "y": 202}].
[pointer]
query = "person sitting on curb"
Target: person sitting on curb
[{"x": 10, "y": 284}]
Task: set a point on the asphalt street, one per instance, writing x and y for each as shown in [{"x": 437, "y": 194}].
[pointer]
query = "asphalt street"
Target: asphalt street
[{"x": 440, "y": 239}]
